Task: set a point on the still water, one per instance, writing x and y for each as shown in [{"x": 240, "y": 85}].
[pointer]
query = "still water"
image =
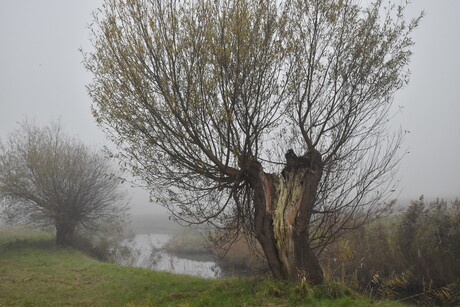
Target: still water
[{"x": 146, "y": 251}]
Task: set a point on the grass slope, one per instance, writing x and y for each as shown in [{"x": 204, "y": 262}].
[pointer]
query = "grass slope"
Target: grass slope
[{"x": 34, "y": 272}]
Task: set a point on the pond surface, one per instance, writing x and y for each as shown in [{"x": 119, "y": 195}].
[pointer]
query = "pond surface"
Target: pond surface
[{"x": 146, "y": 251}]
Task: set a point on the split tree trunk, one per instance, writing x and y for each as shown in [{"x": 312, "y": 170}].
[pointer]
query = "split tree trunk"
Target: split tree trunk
[{"x": 283, "y": 208}]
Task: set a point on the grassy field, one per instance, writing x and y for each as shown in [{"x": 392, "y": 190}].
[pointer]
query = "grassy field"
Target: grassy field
[{"x": 34, "y": 272}]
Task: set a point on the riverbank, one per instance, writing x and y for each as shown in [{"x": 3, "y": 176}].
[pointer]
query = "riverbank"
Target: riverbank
[
  {"x": 147, "y": 251},
  {"x": 34, "y": 272}
]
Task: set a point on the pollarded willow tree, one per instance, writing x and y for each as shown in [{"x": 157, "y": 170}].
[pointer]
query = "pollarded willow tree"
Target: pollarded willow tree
[
  {"x": 263, "y": 117},
  {"x": 50, "y": 180}
]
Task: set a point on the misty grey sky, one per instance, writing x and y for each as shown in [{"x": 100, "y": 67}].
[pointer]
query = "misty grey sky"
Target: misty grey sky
[{"x": 41, "y": 77}]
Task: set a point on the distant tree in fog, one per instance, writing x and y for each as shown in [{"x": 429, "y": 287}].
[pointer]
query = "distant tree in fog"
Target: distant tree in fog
[{"x": 49, "y": 179}]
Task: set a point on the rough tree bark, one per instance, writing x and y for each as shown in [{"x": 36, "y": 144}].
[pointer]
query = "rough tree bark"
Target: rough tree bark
[{"x": 283, "y": 208}]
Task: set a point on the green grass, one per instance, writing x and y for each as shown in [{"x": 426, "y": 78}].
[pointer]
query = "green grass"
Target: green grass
[
  {"x": 34, "y": 272},
  {"x": 13, "y": 234}
]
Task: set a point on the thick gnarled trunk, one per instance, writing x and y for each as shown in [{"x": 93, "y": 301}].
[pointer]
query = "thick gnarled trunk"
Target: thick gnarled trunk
[
  {"x": 283, "y": 208},
  {"x": 296, "y": 197},
  {"x": 265, "y": 195}
]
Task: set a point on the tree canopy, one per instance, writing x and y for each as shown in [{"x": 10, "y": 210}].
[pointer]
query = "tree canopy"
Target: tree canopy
[{"x": 262, "y": 117}]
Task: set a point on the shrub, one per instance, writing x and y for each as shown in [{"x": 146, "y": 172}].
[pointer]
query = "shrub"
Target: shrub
[{"x": 414, "y": 255}]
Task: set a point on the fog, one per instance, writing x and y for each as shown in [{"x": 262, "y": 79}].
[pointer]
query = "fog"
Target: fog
[{"x": 42, "y": 78}]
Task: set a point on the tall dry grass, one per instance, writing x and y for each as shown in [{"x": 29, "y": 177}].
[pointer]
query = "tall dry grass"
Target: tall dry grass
[{"x": 413, "y": 256}]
